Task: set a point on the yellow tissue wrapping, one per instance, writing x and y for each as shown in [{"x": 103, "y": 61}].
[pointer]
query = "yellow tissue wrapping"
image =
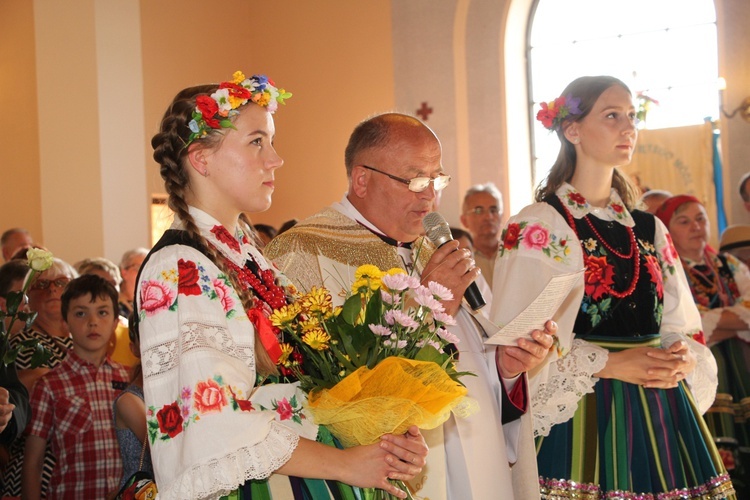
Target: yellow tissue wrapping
[{"x": 393, "y": 396}]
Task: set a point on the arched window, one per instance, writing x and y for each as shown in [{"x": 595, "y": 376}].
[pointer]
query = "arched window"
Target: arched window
[{"x": 665, "y": 49}]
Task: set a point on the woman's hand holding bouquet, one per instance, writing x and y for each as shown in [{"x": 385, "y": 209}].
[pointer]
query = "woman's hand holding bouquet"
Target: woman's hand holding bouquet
[{"x": 381, "y": 363}]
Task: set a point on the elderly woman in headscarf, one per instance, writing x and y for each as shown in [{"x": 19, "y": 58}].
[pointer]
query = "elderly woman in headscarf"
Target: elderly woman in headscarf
[{"x": 720, "y": 284}]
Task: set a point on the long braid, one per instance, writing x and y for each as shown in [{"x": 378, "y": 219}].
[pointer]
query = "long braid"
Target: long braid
[{"x": 170, "y": 153}]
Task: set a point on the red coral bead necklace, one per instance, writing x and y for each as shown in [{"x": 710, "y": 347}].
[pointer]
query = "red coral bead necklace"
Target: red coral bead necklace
[{"x": 633, "y": 254}]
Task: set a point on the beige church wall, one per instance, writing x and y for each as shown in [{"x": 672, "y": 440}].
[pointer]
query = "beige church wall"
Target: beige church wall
[
  {"x": 91, "y": 78},
  {"x": 335, "y": 57},
  {"x": 81, "y": 61},
  {"x": 450, "y": 56},
  {"x": 732, "y": 19},
  {"x": 20, "y": 197}
]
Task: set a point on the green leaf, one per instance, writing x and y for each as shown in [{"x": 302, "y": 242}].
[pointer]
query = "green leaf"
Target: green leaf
[
  {"x": 351, "y": 309},
  {"x": 374, "y": 311},
  {"x": 40, "y": 356},
  {"x": 429, "y": 353},
  {"x": 25, "y": 316},
  {"x": 13, "y": 301}
]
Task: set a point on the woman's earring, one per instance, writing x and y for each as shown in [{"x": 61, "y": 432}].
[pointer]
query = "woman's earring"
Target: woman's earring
[{"x": 576, "y": 140}]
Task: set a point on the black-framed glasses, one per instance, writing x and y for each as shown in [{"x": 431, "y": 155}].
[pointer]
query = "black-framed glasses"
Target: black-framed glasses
[
  {"x": 45, "y": 284},
  {"x": 493, "y": 210},
  {"x": 418, "y": 184}
]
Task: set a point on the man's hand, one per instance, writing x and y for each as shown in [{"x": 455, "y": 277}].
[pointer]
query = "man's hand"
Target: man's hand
[
  {"x": 511, "y": 361},
  {"x": 6, "y": 408},
  {"x": 454, "y": 269}
]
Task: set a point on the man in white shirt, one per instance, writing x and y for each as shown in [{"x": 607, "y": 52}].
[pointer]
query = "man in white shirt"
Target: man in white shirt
[{"x": 482, "y": 215}]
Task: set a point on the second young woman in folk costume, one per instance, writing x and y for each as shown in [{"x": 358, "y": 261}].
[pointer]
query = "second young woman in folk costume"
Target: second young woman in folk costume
[
  {"x": 618, "y": 413},
  {"x": 216, "y": 425}
]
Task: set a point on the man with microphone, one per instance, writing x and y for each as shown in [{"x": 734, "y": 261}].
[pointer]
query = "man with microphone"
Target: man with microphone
[{"x": 393, "y": 163}]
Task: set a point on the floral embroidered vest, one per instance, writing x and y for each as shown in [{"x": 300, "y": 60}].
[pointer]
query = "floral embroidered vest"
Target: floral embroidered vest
[
  {"x": 601, "y": 313},
  {"x": 703, "y": 283}
]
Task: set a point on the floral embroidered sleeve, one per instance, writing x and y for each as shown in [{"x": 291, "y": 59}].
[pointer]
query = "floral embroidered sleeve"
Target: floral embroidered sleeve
[
  {"x": 204, "y": 411},
  {"x": 539, "y": 243},
  {"x": 681, "y": 320},
  {"x": 741, "y": 307}
]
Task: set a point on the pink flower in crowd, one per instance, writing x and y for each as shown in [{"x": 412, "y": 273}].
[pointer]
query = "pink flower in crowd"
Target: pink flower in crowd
[
  {"x": 448, "y": 336},
  {"x": 423, "y": 296},
  {"x": 398, "y": 344},
  {"x": 389, "y": 298},
  {"x": 444, "y": 318},
  {"x": 400, "y": 317},
  {"x": 439, "y": 291},
  {"x": 399, "y": 281},
  {"x": 380, "y": 330}
]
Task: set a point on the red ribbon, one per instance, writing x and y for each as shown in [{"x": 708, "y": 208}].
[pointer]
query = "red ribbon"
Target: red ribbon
[{"x": 267, "y": 333}]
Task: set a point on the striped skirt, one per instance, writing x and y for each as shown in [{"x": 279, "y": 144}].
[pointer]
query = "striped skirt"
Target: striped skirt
[
  {"x": 729, "y": 417},
  {"x": 628, "y": 442}
]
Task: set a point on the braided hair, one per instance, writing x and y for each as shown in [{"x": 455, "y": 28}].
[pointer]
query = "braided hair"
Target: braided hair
[{"x": 171, "y": 155}]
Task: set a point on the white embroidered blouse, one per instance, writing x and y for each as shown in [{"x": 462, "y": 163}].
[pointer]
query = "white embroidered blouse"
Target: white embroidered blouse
[
  {"x": 210, "y": 426},
  {"x": 546, "y": 246}
]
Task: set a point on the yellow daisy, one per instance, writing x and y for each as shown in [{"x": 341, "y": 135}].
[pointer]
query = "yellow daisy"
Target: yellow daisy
[
  {"x": 317, "y": 339},
  {"x": 286, "y": 351},
  {"x": 285, "y": 315},
  {"x": 318, "y": 301}
]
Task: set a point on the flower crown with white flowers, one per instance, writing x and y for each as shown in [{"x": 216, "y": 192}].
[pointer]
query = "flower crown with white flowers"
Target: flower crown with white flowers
[
  {"x": 214, "y": 111},
  {"x": 555, "y": 112}
]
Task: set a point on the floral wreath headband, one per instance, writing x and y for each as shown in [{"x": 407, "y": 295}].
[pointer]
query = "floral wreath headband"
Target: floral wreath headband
[
  {"x": 555, "y": 112},
  {"x": 214, "y": 111}
]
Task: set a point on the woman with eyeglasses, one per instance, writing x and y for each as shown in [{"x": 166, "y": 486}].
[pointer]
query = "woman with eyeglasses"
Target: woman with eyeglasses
[{"x": 50, "y": 331}]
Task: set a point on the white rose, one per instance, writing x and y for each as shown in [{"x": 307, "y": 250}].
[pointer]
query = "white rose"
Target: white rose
[{"x": 39, "y": 260}]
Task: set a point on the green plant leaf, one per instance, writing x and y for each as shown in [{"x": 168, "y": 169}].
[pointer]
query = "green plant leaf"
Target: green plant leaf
[
  {"x": 351, "y": 309},
  {"x": 13, "y": 301}
]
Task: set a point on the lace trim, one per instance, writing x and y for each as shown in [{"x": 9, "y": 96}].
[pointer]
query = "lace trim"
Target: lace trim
[
  {"x": 703, "y": 380},
  {"x": 568, "y": 380},
  {"x": 717, "y": 488},
  {"x": 709, "y": 320},
  {"x": 163, "y": 357},
  {"x": 221, "y": 476}
]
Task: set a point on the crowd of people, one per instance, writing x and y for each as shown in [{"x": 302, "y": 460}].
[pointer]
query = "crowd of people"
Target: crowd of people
[{"x": 168, "y": 362}]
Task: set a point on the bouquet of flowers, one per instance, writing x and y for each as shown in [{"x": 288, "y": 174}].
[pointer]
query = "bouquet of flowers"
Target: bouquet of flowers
[
  {"x": 38, "y": 261},
  {"x": 381, "y": 362}
]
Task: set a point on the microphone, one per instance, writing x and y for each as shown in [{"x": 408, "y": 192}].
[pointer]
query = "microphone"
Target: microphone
[{"x": 439, "y": 232}]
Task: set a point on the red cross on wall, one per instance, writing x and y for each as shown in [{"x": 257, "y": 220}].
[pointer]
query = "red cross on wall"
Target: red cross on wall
[{"x": 424, "y": 111}]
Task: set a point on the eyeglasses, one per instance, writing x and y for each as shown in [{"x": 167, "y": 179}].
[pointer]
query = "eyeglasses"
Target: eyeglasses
[
  {"x": 493, "y": 210},
  {"x": 418, "y": 184},
  {"x": 44, "y": 284}
]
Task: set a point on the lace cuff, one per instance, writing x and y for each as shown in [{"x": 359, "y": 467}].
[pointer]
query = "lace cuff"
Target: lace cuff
[
  {"x": 709, "y": 320},
  {"x": 704, "y": 379},
  {"x": 222, "y": 475},
  {"x": 744, "y": 314},
  {"x": 567, "y": 381}
]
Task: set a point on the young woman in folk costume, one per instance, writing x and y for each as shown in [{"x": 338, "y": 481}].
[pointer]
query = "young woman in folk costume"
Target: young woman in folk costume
[
  {"x": 219, "y": 422},
  {"x": 720, "y": 284},
  {"x": 618, "y": 408}
]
